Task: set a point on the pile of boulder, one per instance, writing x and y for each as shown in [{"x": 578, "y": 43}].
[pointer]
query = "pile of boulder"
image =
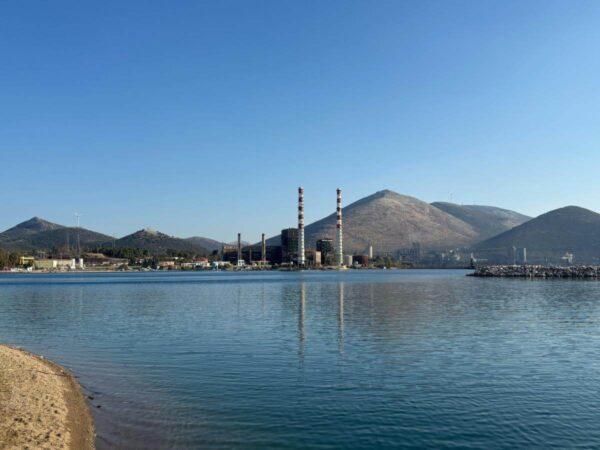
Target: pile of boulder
[{"x": 537, "y": 271}]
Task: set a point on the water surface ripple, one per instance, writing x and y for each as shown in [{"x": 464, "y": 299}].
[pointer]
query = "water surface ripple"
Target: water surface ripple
[{"x": 320, "y": 359}]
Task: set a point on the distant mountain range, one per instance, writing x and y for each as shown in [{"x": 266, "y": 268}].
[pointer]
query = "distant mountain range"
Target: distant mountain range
[
  {"x": 487, "y": 221},
  {"x": 387, "y": 220},
  {"x": 211, "y": 244},
  {"x": 549, "y": 236},
  {"x": 39, "y": 234},
  {"x": 390, "y": 221},
  {"x": 207, "y": 243},
  {"x": 157, "y": 243}
]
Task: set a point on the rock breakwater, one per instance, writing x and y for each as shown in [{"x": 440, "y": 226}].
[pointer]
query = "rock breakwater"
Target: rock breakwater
[{"x": 532, "y": 271}]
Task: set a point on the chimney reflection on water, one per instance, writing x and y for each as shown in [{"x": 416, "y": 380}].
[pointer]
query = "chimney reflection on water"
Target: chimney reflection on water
[
  {"x": 302, "y": 319},
  {"x": 341, "y": 318},
  {"x": 301, "y": 337}
]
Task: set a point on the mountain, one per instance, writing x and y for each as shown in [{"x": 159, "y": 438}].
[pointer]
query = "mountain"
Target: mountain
[
  {"x": 549, "y": 236},
  {"x": 39, "y": 234},
  {"x": 207, "y": 243},
  {"x": 27, "y": 228},
  {"x": 59, "y": 238},
  {"x": 158, "y": 243},
  {"x": 390, "y": 221},
  {"x": 487, "y": 221}
]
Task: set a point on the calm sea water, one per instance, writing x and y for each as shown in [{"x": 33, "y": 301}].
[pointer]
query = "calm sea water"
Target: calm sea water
[{"x": 320, "y": 359}]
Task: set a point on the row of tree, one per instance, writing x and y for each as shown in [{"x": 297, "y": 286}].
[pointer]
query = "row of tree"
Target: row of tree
[
  {"x": 8, "y": 259},
  {"x": 135, "y": 254}
]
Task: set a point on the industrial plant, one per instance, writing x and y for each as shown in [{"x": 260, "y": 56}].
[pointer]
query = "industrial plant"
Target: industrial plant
[{"x": 292, "y": 252}]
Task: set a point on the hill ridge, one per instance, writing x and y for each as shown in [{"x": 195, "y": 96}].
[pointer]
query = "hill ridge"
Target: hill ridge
[
  {"x": 488, "y": 221},
  {"x": 549, "y": 236},
  {"x": 390, "y": 221}
]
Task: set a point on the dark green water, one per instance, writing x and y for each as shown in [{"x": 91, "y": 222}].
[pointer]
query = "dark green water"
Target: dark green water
[{"x": 304, "y": 360}]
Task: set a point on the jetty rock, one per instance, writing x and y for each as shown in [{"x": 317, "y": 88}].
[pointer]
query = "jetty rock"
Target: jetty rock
[{"x": 533, "y": 271}]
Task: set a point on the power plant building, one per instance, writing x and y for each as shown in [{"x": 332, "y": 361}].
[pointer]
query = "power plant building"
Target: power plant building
[
  {"x": 289, "y": 245},
  {"x": 325, "y": 246},
  {"x": 253, "y": 254},
  {"x": 361, "y": 260},
  {"x": 313, "y": 258},
  {"x": 411, "y": 254}
]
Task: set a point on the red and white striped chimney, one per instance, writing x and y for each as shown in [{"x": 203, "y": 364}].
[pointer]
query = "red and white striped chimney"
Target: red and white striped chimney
[
  {"x": 301, "y": 255},
  {"x": 340, "y": 238}
]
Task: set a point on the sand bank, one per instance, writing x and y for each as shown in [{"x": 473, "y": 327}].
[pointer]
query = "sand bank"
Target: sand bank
[{"x": 41, "y": 405}]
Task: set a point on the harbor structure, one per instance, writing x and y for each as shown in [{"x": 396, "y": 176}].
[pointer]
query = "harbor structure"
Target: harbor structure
[
  {"x": 340, "y": 235},
  {"x": 301, "y": 254}
]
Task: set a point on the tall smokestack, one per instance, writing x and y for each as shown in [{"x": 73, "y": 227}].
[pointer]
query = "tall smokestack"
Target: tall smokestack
[
  {"x": 239, "y": 246},
  {"x": 301, "y": 256},
  {"x": 263, "y": 249},
  {"x": 340, "y": 238}
]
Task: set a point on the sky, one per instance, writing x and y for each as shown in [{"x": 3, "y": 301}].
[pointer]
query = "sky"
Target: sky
[{"x": 202, "y": 118}]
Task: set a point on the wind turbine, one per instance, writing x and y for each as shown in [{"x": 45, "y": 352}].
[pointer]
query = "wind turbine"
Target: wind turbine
[{"x": 77, "y": 220}]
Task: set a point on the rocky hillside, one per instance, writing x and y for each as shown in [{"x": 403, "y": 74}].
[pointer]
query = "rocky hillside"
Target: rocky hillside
[
  {"x": 390, "y": 221},
  {"x": 548, "y": 237},
  {"x": 158, "y": 243},
  {"x": 487, "y": 221},
  {"x": 39, "y": 234},
  {"x": 27, "y": 228},
  {"x": 207, "y": 243}
]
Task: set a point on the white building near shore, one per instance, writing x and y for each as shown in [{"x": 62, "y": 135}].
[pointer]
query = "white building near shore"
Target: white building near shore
[{"x": 59, "y": 264}]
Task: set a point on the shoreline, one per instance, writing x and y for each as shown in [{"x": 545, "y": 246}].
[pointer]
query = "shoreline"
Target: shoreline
[
  {"x": 41, "y": 404},
  {"x": 319, "y": 269}
]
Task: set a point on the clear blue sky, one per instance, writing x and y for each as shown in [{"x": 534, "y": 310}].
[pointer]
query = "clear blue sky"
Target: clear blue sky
[{"x": 202, "y": 118}]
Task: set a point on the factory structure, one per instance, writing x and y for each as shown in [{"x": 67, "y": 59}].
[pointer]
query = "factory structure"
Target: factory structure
[
  {"x": 292, "y": 251},
  {"x": 339, "y": 244}
]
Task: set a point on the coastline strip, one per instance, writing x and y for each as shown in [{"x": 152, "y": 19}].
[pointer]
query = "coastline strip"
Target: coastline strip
[{"x": 41, "y": 404}]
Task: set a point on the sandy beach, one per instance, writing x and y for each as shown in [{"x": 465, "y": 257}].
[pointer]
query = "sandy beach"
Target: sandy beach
[{"x": 41, "y": 405}]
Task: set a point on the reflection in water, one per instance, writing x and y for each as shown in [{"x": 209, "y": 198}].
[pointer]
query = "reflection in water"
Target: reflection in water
[
  {"x": 341, "y": 317},
  {"x": 419, "y": 359},
  {"x": 301, "y": 312}
]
